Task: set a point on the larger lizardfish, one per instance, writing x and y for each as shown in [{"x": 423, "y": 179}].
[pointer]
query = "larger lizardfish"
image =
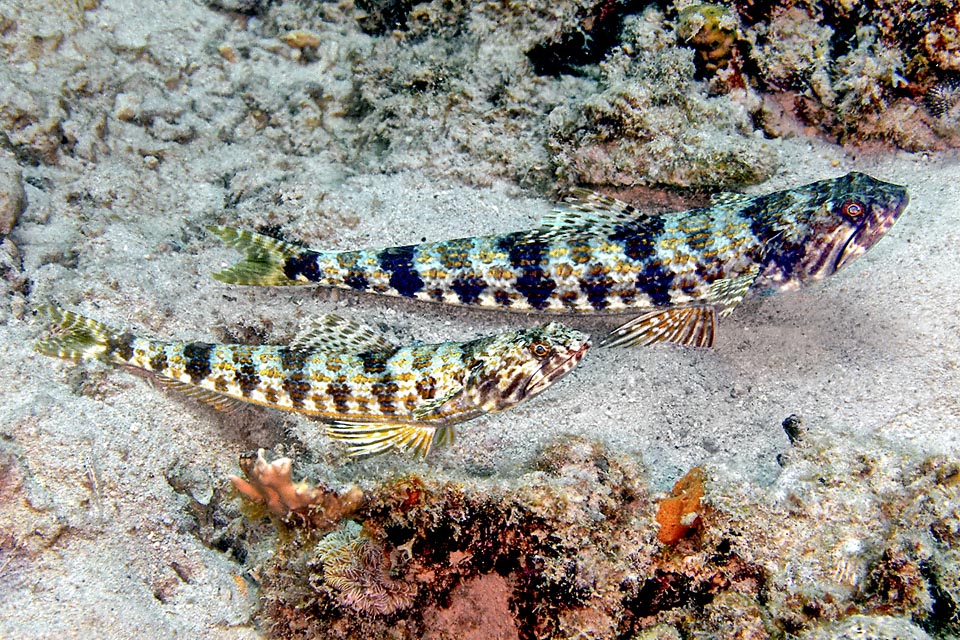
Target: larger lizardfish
[
  {"x": 595, "y": 254},
  {"x": 372, "y": 394}
]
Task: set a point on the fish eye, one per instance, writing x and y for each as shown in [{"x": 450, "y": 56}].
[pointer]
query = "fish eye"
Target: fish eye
[
  {"x": 852, "y": 209},
  {"x": 539, "y": 350}
]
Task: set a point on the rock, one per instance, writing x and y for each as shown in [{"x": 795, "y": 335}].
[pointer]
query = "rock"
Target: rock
[
  {"x": 29, "y": 121},
  {"x": 240, "y": 6},
  {"x": 126, "y": 106},
  {"x": 13, "y": 199}
]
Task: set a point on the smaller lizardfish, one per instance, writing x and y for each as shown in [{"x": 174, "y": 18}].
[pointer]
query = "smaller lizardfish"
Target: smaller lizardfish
[
  {"x": 372, "y": 394},
  {"x": 677, "y": 271}
]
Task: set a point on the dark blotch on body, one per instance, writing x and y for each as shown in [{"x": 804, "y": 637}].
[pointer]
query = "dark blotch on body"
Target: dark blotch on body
[
  {"x": 640, "y": 238},
  {"x": 356, "y": 280},
  {"x": 386, "y": 393},
  {"x": 246, "y": 372},
  {"x": 340, "y": 393},
  {"x": 427, "y": 387},
  {"x": 159, "y": 361},
  {"x": 196, "y": 357},
  {"x": 303, "y": 266},
  {"x": 122, "y": 345},
  {"x": 374, "y": 362},
  {"x": 468, "y": 289},
  {"x": 656, "y": 283},
  {"x": 398, "y": 262},
  {"x": 293, "y": 362},
  {"x": 528, "y": 256}
]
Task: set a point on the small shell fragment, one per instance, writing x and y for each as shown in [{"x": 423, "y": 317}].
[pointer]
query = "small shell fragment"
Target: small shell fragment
[{"x": 301, "y": 39}]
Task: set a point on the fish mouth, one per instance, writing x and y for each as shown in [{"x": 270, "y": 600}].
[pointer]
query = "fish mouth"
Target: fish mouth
[
  {"x": 552, "y": 370},
  {"x": 869, "y": 232}
]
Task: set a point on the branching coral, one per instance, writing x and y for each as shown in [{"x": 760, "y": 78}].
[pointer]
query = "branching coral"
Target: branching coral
[{"x": 271, "y": 484}]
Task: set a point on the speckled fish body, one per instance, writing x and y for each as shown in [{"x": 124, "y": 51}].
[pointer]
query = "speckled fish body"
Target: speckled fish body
[
  {"x": 373, "y": 395},
  {"x": 596, "y": 254}
]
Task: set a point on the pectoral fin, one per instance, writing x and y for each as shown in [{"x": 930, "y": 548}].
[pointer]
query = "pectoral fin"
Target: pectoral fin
[
  {"x": 363, "y": 439},
  {"x": 689, "y": 326},
  {"x": 433, "y": 409},
  {"x": 727, "y": 293}
]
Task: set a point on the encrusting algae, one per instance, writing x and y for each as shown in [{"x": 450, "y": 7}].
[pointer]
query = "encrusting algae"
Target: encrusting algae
[{"x": 572, "y": 549}]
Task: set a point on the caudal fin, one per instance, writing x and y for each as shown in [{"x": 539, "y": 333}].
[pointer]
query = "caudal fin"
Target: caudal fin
[
  {"x": 75, "y": 337},
  {"x": 265, "y": 260}
]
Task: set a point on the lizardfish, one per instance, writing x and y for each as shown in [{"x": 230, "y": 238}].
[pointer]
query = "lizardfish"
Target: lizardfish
[
  {"x": 372, "y": 394},
  {"x": 595, "y": 254}
]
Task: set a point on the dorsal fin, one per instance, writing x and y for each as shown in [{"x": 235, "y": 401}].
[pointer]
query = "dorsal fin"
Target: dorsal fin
[
  {"x": 585, "y": 211},
  {"x": 729, "y": 198},
  {"x": 333, "y": 333}
]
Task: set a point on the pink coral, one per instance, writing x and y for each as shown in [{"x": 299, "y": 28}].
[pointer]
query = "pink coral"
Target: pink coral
[{"x": 271, "y": 483}]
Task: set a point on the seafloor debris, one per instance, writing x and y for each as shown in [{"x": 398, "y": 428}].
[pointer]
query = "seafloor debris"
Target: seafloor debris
[
  {"x": 13, "y": 199},
  {"x": 851, "y": 536}
]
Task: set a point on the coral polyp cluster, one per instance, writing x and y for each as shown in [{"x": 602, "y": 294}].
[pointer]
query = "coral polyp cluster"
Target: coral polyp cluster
[{"x": 356, "y": 567}]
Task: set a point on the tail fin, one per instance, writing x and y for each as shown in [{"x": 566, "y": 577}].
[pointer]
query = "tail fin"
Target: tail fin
[
  {"x": 77, "y": 338},
  {"x": 265, "y": 258}
]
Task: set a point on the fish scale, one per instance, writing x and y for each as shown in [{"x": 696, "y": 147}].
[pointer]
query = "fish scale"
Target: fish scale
[
  {"x": 598, "y": 255},
  {"x": 374, "y": 395}
]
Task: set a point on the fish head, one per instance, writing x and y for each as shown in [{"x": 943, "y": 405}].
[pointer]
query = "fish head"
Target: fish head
[
  {"x": 515, "y": 366},
  {"x": 842, "y": 220}
]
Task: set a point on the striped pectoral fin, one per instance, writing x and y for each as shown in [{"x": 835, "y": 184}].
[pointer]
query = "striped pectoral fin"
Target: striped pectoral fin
[
  {"x": 726, "y": 293},
  {"x": 693, "y": 325},
  {"x": 437, "y": 408},
  {"x": 689, "y": 326},
  {"x": 265, "y": 258},
  {"x": 364, "y": 439}
]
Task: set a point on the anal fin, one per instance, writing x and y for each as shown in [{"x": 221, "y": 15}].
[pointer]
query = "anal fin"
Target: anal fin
[
  {"x": 363, "y": 439},
  {"x": 216, "y": 400},
  {"x": 689, "y": 326}
]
